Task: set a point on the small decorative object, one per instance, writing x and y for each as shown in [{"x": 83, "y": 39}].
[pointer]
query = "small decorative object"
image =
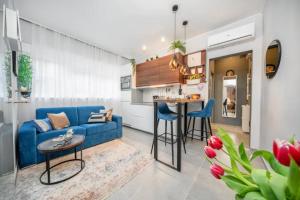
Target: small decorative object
[
  {"x": 69, "y": 134},
  {"x": 230, "y": 72},
  {"x": 64, "y": 139},
  {"x": 25, "y": 75},
  {"x": 151, "y": 58},
  {"x": 147, "y": 60},
  {"x": 273, "y": 57},
  {"x": 156, "y": 57},
  {"x": 278, "y": 182},
  {"x": 195, "y": 96}
]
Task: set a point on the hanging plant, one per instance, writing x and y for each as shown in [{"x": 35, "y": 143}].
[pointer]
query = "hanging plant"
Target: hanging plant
[
  {"x": 177, "y": 44},
  {"x": 7, "y": 69},
  {"x": 25, "y": 75}
]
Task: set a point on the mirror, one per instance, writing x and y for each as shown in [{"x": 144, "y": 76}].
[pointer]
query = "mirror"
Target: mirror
[
  {"x": 273, "y": 57},
  {"x": 229, "y": 96}
]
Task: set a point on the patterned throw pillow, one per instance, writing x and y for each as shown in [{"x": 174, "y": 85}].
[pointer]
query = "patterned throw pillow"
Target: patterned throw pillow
[
  {"x": 59, "y": 121},
  {"x": 96, "y": 117},
  {"x": 42, "y": 125}
]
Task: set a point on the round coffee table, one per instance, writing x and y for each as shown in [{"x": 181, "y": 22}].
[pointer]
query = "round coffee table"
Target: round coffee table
[{"x": 49, "y": 146}]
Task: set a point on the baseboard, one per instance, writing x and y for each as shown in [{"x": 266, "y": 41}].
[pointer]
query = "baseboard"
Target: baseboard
[{"x": 128, "y": 126}]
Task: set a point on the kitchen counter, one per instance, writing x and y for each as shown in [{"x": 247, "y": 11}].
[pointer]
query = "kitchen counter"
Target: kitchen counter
[{"x": 143, "y": 103}]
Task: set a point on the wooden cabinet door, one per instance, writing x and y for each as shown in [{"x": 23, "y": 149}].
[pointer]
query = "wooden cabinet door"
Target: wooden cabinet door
[{"x": 157, "y": 72}]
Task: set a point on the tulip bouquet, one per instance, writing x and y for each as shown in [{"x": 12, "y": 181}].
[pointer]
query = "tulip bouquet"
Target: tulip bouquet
[{"x": 281, "y": 181}]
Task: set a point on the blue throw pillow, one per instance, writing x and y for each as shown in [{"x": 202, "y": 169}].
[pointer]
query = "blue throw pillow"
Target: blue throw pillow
[{"x": 42, "y": 125}]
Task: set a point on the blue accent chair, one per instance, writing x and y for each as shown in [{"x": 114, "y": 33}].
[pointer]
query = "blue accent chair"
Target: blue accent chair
[
  {"x": 205, "y": 115},
  {"x": 164, "y": 113},
  {"x": 95, "y": 133}
]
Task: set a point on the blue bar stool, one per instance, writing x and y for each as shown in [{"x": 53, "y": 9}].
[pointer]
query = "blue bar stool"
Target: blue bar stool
[
  {"x": 164, "y": 113},
  {"x": 205, "y": 115}
]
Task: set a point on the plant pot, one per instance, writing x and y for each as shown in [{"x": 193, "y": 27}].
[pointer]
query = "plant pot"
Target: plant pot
[
  {"x": 179, "y": 51},
  {"x": 25, "y": 94}
]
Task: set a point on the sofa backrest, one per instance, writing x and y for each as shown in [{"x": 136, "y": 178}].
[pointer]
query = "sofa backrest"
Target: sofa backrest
[
  {"x": 85, "y": 111},
  {"x": 71, "y": 112}
]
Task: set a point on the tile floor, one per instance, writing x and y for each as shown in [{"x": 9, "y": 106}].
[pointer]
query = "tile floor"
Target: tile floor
[
  {"x": 158, "y": 182},
  {"x": 161, "y": 182}
]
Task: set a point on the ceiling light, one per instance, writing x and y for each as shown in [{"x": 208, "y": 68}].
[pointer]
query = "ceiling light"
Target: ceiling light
[
  {"x": 144, "y": 47},
  {"x": 162, "y": 39}
]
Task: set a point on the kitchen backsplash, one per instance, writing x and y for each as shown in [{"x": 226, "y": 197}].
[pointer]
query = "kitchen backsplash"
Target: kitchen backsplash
[{"x": 172, "y": 91}]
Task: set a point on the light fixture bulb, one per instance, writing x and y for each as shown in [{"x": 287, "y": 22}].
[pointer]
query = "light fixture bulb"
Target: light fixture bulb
[
  {"x": 162, "y": 39},
  {"x": 144, "y": 47}
]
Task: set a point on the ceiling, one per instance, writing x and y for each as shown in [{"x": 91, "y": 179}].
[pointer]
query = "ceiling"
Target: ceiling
[{"x": 123, "y": 26}]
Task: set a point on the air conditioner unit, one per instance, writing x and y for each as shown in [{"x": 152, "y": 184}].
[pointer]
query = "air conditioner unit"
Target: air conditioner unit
[{"x": 233, "y": 35}]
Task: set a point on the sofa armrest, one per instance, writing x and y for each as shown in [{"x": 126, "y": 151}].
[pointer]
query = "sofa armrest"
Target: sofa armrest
[
  {"x": 27, "y": 144},
  {"x": 118, "y": 120}
]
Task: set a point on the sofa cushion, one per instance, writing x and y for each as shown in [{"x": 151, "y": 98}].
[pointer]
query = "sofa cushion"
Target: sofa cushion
[
  {"x": 98, "y": 128},
  {"x": 71, "y": 113},
  {"x": 59, "y": 121},
  {"x": 85, "y": 111},
  {"x": 42, "y": 125},
  {"x": 55, "y": 133}
]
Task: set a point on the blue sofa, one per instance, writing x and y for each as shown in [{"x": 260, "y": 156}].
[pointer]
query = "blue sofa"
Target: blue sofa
[{"x": 95, "y": 133}]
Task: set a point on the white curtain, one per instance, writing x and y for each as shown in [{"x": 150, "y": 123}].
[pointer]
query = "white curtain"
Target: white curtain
[{"x": 67, "y": 72}]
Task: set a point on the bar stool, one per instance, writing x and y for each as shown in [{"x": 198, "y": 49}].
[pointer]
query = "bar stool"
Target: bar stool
[
  {"x": 164, "y": 113},
  {"x": 205, "y": 115}
]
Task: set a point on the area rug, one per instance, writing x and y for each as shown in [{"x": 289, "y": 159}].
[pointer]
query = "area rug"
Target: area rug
[{"x": 108, "y": 167}]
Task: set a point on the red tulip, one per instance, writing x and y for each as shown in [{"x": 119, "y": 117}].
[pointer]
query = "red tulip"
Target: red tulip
[
  {"x": 281, "y": 150},
  {"x": 217, "y": 171},
  {"x": 295, "y": 152},
  {"x": 283, "y": 155},
  {"x": 276, "y": 145},
  {"x": 215, "y": 142},
  {"x": 210, "y": 152}
]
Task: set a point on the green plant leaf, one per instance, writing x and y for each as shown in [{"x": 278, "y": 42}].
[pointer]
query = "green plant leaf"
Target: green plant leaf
[
  {"x": 254, "y": 196},
  {"x": 278, "y": 183},
  {"x": 25, "y": 72},
  {"x": 243, "y": 154},
  {"x": 293, "y": 180},
  {"x": 274, "y": 164},
  {"x": 231, "y": 149},
  {"x": 261, "y": 178},
  {"x": 238, "y": 186},
  {"x": 177, "y": 44}
]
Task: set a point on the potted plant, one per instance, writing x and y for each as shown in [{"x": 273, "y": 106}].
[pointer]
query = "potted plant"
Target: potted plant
[
  {"x": 178, "y": 47},
  {"x": 278, "y": 182},
  {"x": 25, "y": 75},
  {"x": 7, "y": 69}
]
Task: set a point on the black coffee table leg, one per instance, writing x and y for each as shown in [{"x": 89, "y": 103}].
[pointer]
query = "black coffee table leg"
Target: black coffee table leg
[
  {"x": 81, "y": 162},
  {"x": 75, "y": 153},
  {"x": 48, "y": 167}
]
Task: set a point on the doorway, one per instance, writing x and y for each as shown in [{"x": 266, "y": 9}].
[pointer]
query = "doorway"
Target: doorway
[{"x": 230, "y": 85}]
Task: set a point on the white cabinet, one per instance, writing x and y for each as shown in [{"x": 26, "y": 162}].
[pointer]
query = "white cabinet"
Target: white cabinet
[{"x": 138, "y": 116}]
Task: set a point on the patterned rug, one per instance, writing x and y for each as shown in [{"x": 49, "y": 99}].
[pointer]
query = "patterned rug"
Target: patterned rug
[{"x": 108, "y": 167}]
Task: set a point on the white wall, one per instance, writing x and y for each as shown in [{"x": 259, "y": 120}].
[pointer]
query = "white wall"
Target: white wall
[
  {"x": 281, "y": 104},
  {"x": 200, "y": 42}
]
